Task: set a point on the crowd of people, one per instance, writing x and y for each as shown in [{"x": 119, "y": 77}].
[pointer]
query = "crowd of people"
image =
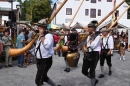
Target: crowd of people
[
  {"x": 18, "y": 42},
  {"x": 99, "y": 46}
]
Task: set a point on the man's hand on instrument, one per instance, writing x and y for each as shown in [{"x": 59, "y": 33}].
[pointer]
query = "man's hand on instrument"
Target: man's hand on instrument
[{"x": 109, "y": 53}]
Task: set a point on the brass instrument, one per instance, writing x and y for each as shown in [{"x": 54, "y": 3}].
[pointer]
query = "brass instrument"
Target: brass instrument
[
  {"x": 63, "y": 48},
  {"x": 58, "y": 44},
  {"x": 16, "y": 52},
  {"x": 73, "y": 59}
]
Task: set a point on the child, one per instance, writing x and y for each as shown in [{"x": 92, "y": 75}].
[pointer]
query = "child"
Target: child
[{"x": 122, "y": 49}]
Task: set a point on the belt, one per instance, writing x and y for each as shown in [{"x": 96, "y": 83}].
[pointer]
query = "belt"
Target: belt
[{"x": 44, "y": 58}]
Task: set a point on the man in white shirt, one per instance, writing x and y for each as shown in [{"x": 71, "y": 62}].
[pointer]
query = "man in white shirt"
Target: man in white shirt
[
  {"x": 106, "y": 51},
  {"x": 43, "y": 52},
  {"x": 91, "y": 55}
]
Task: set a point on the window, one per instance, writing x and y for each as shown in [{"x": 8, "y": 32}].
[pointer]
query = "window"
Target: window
[
  {"x": 99, "y": 12},
  {"x": 67, "y": 20},
  {"x": 68, "y": 11},
  {"x": 128, "y": 14},
  {"x": 86, "y": 12},
  {"x": 93, "y": 1},
  {"x": 109, "y": 0},
  {"x": 117, "y": 13},
  {"x": 93, "y": 13}
]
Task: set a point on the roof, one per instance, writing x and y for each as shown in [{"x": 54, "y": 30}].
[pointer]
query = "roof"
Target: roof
[
  {"x": 120, "y": 25},
  {"x": 77, "y": 26}
]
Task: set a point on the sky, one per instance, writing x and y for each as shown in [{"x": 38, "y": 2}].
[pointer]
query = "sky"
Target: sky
[{"x": 54, "y": 1}]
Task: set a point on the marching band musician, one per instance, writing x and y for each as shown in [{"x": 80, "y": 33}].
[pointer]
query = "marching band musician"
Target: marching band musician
[
  {"x": 67, "y": 69},
  {"x": 92, "y": 55},
  {"x": 43, "y": 52},
  {"x": 106, "y": 49}
]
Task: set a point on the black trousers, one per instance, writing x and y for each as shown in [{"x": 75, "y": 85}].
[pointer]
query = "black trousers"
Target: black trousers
[
  {"x": 108, "y": 59},
  {"x": 90, "y": 65},
  {"x": 43, "y": 66}
]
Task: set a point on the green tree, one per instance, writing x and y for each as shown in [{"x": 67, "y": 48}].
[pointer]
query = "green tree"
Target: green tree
[
  {"x": 41, "y": 9},
  {"x": 128, "y": 2}
]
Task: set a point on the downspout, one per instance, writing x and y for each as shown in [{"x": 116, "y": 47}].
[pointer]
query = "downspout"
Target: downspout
[{"x": 55, "y": 9}]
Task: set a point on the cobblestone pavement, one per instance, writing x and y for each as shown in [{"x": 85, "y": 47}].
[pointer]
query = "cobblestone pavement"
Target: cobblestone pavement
[{"x": 26, "y": 76}]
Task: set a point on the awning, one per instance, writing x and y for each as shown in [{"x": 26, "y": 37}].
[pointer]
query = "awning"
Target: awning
[{"x": 53, "y": 26}]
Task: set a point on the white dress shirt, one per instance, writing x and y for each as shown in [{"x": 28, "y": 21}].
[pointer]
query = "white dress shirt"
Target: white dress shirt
[
  {"x": 95, "y": 45},
  {"x": 110, "y": 42},
  {"x": 65, "y": 39},
  {"x": 46, "y": 47}
]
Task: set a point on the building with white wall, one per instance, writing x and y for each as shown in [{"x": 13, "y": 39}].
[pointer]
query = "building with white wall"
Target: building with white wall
[
  {"x": 90, "y": 10},
  {"x": 5, "y": 7}
]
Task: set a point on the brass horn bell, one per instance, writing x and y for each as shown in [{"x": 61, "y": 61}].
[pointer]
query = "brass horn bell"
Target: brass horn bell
[{"x": 73, "y": 59}]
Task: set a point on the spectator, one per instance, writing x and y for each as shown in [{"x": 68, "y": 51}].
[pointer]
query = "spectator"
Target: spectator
[
  {"x": 56, "y": 39},
  {"x": 122, "y": 48},
  {"x": 7, "y": 42},
  {"x": 20, "y": 44}
]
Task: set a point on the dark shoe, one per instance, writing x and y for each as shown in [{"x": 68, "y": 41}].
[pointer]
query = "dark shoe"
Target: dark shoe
[
  {"x": 24, "y": 66},
  {"x": 110, "y": 72},
  {"x": 68, "y": 70},
  {"x": 58, "y": 85},
  {"x": 96, "y": 82},
  {"x": 0, "y": 67},
  {"x": 10, "y": 66},
  {"x": 101, "y": 76},
  {"x": 19, "y": 65},
  {"x": 65, "y": 69},
  {"x": 7, "y": 66}
]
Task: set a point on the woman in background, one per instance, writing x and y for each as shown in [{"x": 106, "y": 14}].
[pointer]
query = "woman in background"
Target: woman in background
[{"x": 122, "y": 48}]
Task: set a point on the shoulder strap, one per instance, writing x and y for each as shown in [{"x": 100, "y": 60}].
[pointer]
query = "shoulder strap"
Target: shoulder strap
[
  {"x": 38, "y": 48},
  {"x": 106, "y": 43}
]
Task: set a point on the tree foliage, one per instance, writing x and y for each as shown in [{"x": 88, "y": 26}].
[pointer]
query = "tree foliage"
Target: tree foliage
[
  {"x": 128, "y": 2},
  {"x": 41, "y": 10},
  {"x": 34, "y": 10}
]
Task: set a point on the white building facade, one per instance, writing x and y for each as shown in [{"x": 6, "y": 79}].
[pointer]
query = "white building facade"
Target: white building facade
[
  {"x": 5, "y": 7},
  {"x": 90, "y": 10}
]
